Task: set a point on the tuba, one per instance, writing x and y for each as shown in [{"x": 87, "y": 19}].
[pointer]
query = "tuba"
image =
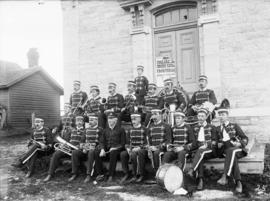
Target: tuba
[{"x": 64, "y": 146}]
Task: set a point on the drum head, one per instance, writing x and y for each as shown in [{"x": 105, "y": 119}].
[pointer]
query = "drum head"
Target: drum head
[{"x": 173, "y": 178}]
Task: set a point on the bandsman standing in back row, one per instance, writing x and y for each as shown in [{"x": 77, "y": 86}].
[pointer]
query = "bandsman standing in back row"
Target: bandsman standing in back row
[
  {"x": 151, "y": 101},
  {"x": 130, "y": 102},
  {"x": 173, "y": 97},
  {"x": 232, "y": 143},
  {"x": 77, "y": 99},
  {"x": 95, "y": 105},
  {"x": 115, "y": 102},
  {"x": 201, "y": 96},
  {"x": 141, "y": 83}
]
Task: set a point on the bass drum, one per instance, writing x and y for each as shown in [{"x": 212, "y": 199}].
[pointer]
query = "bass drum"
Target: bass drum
[
  {"x": 170, "y": 177},
  {"x": 179, "y": 90}
]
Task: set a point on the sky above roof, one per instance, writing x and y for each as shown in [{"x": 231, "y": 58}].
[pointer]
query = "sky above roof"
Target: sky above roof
[{"x": 27, "y": 24}]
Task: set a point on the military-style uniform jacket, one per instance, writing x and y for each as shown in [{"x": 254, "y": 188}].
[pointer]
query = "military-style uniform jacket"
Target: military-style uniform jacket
[
  {"x": 141, "y": 83},
  {"x": 152, "y": 102},
  {"x": 232, "y": 132},
  {"x": 94, "y": 105},
  {"x": 77, "y": 136},
  {"x": 77, "y": 98},
  {"x": 136, "y": 137},
  {"x": 210, "y": 136},
  {"x": 183, "y": 135},
  {"x": 160, "y": 134},
  {"x": 115, "y": 102},
  {"x": 113, "y": 138},
  {"x": 201, "y": 96},
  {"x": 130, "y": 102},
  {"x": 92, "y": 135},
  {"x": 42, "y": 135},
  {"x": 175, "y": 97},
  {"x": 65, "y": 126}
]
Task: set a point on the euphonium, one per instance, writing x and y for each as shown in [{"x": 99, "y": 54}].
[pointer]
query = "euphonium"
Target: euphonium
[{"x": 64, "y": 146}]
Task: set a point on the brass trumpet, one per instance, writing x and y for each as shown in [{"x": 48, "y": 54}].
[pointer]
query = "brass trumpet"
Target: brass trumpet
[{"x": 64, "y": 146}]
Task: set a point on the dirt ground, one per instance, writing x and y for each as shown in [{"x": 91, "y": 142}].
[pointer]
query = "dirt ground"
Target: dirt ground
[{"x": 14, "y": 186}]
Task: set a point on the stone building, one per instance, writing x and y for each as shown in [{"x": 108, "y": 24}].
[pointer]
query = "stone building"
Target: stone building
[{"x": 104, "y": 40}]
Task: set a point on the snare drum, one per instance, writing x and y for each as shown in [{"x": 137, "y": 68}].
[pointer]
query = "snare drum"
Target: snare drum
[{"x": 170, "y": 177}]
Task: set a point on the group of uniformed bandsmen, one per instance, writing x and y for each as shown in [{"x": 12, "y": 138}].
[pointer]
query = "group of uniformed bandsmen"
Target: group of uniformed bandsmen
[{"x": 148, "y": 138}]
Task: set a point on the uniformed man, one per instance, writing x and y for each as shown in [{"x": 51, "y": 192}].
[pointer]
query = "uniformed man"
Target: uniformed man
[
  {"x": 39, "y": 145},
  {"x": 135, "y": 150},
  {"x": 206, "y": 142},
  {"x": 151, "y": 101},
  {"x": 77, "y": 99},
  {"x": 183, "y": 140},
  {"x": 115, "y": 101},
  {"x": 89, "y": 144},
  {"x": 201, "y": 96},
  {"x": 130, "y": 102},
  {"x": 172, "y": 96},
  {"x": 76, "y": 139},
  {"x": 112, "y": 142},
  {"x": 95, "y": 105},
  {"x": 232, "y": 144},
  {"x": 70, "y": 135},
  {"x": 64, "y": 129},
  {"x": 141, "y": 85},
  {"x": 160, "y": 135}
]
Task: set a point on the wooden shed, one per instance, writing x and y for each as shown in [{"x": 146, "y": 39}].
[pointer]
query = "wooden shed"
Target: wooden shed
[{"x": 27, "y": 91}]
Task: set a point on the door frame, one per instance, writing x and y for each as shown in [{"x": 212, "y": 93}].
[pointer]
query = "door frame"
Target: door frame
[{"x": 183, "y": 26}]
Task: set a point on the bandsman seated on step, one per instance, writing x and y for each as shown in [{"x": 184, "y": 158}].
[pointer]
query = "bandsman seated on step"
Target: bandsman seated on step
[
  {"x": 232, "y": 145},
  {"x": 173, "y": 97},
  {"x": 88, "y": 146},
  {"x": 159, "y": 136},
  {"x": 112, "y": 142},
  {"x": 67, "y": 143},
  {"x": 95, "y": 104},
  {"x": 202, "y": 96},
  {"x": 40, "y": 145},
  {"x": 130, "y": 102},
  {"x": 205, "y": 141},
  {"x": 151, "y": 101},
  {"x": 183, "y": 140},
  {"x": 77, "y": 99},
  {"x": 135, "y": 150},
  {"x": 115, "y": 102}
]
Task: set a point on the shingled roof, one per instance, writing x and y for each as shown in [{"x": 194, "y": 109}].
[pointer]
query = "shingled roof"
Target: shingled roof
[{"x": 12, "y": 73}]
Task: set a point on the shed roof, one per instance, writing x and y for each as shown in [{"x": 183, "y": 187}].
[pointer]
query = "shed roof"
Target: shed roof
[{"x": 12, "y": 73}]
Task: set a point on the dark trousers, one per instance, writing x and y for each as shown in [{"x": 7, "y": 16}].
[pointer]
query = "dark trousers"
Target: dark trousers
[
  {"x": 111, "y": 156},
  {"x": 157, "y": 158},
  {"x": 31, "y": 162},
  {"x": 169, "y": 156},
  {"x": 55, "y": 160},
  {"x": 231, "y": 167},
  {"x": 200, "y": 156},
  {"x": 137, "y": 159},
  {"x": 79, "y": 156}
]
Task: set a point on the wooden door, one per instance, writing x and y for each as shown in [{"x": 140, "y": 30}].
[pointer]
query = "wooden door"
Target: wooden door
[{"x": 187, "y": 58}]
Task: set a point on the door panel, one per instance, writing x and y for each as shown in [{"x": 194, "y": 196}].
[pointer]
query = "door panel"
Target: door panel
[{"x": 187, "y": 58}]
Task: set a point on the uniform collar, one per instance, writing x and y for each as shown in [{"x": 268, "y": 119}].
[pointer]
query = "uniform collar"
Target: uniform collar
[
  {"x": 113, "y": 94},
  {"x": 203, "y": 124},
  {"x": 93, "y": 127},
  {"x": 159, "y": 122},
  {"x": 204, "y": 89},
  {"x": 40, "y": 129},
  {"x": 97, "y": 97},
  {"x": 80, "y": 128},
  {"x": 113, "y": 127},
  {"x": 181, "y": 125},
  {"x": 226, "y": 123},
  {"x": 139, "y": 126}
]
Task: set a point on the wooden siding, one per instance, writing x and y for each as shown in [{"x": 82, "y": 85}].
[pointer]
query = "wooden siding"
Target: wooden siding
[
  {"x": 33, "y": 94},
  {"x": 4, "y": 97}
]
